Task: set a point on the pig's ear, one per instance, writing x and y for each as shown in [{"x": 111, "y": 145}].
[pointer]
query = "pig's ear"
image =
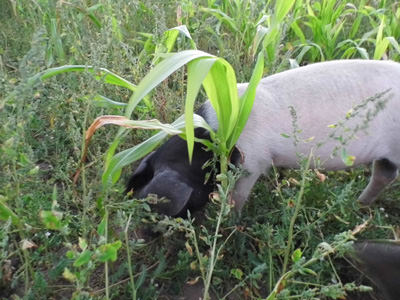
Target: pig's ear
[
  {"x": 171, "y": 185},
  {"x": 237, "y": 157},
  {"x": 142, "y": 175}
]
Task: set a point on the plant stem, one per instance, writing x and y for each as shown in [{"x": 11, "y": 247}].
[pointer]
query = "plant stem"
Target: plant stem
[
  {"x": 296, "y": 212},
  {"x": 106, "y": 263},
  {"x": 132, "y": 280},
  {"x": 224, "y": 196}
]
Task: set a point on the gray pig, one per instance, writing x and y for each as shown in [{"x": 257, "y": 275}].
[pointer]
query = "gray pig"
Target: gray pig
[{"x": 313, "y": 97}]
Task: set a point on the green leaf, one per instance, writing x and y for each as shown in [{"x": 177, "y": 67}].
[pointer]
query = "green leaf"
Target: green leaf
[
  {"x": 282, "y": 8},
  {"x": 82, "y": 244},
  {"x": 221, "y": 88},
  {"x": 70, "y": 254},
  {"x": 102, "y": 101},
  {"x": 296, "y": 256},
  {"x": 394, "y": 43},
  {"x": 346, "y": 158},
  {"x": 128, "y": 156},
  {"x": 68, "y": 275},
  {"x": 272, "y": 296},
  {"x": 308, "y": 271},
  {"x": 83, "y": 258},
  {"x": 51, "y": 219},
  {"x": 297, "y": 30},
  {"x": 101, "y": 228},
  {"x": 6, "y": 213},
  {"x": 108, "y": 252},
  {"x": 222, "y": 17},
  {"x": 381, "y": 44},
  {"x": 160, "y": 72},
  {"x": 237, "y": 273},
  {"x": 169, "y": 40},
  {"x": 197, "y": 71},
  {"x": 101, "y": 74},
  {"x": 172, "y": 34},
  {"x": 260, "y": 34},
  {"x": 247, "y": 100}
]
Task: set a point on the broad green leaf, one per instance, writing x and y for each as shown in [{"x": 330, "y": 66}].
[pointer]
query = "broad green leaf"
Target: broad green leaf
[
  {"x": 160, "y": 72},
  {"x": 282, "y": 8},
  {"x": 247, "y": 100},
  {"x": 221, "y": 88},
  {"x": 381, "y": 48},
  {"x": 172, "y": 34},
  {"x": 108, "y": 252},
  {"x": 271, "y": 41},
  {"x": 128, "y": 156},
  {"x": 197, "y": 71},
  {"x": 169, "y": 40},
  {"x": 83, "y": 258},
  {"x": 381, "y": 44},
  {"x": 299, "y": 33}
]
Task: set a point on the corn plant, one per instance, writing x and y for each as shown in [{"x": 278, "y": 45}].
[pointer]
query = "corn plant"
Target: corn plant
[{"x": 219, "y": 81}]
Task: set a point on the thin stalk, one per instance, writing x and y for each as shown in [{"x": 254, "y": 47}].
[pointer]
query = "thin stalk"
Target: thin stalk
[
  {"x": 224, "y": 184},
  {"x": 271, "y": 269},
  {"x": 132, "y": 280},
  {"x": 196, "y": 247},
  {"x": 295, "y": 214},
  {"x": 83, "y": 178},
  {"x": 106, "y": 262}
]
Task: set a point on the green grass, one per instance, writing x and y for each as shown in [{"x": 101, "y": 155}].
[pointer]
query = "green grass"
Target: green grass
[{"x": 64, "y": 242}]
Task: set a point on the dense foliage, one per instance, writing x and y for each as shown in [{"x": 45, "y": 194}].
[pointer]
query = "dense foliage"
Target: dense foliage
[{"x": 62, "y": 238}]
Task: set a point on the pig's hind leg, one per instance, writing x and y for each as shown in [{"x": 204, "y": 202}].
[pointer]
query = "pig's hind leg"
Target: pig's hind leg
[{"x": 383, "y": 173}]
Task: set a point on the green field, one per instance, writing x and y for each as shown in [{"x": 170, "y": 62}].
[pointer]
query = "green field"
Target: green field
[{"x": 65, "y": 233}]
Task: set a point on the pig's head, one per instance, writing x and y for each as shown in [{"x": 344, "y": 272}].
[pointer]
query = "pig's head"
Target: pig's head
[
  {"x": 167, "y": 173},
  {"x": 380, "y": 261}
]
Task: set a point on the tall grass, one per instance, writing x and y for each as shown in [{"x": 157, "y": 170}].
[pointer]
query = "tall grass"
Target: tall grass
[{"x": 62, "y": 237}]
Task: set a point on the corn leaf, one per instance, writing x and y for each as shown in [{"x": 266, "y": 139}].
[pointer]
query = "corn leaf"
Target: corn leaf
[
  {"x": 160, "y": 72},
  {"x": 282, "y": 8},
  {"x": 197, "y": 71},
  {"x": 128, "y": 156},
  {"x": 101, "y": 74},
  {"x": 247, "y": 100},
  {"x": 221, "y": 88}
]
